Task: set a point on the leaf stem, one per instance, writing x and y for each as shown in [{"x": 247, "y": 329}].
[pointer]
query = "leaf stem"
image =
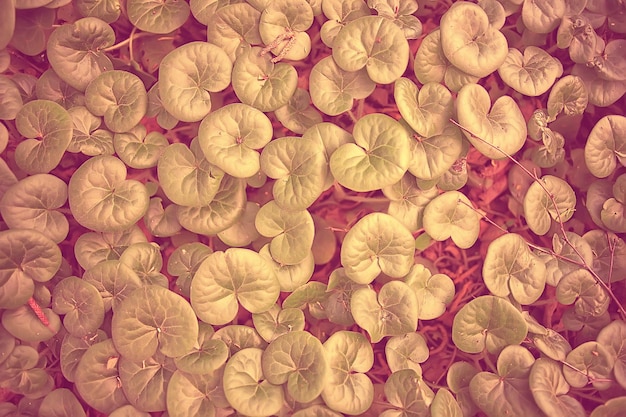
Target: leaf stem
[
  {"x": 128, "y": 41},
  {"x": 558, "y": 219}
]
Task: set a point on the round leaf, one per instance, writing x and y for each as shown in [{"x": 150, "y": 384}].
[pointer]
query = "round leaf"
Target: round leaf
[
  {"x": 291, "y": 232},
  {"x": 32, "y": 204},
  {"x": 531, "y": 74},
  {"x": 157, "y": 16},
  {"x": 470, "y": 42},
  {"x": 511, "y": 268},
  {"x": 102, "y": 199},
  {"x": 61, "y": 402},
  {"x": 488, "y": 322},
  {"x": 391, "y": 312},
  {"x": 606, "y": 145},
  {"x": 336, "y": 89},
  {"x": 25, "y": 325},
  {"x": 580, "y": 288},
  {"x": 433, "y": 293},
  {"x": 260, "y": 83},
  {"x": 550, "y": 389},
  {"x": 298, "y": 359},
  {"x": 406, "y": 352},
  {"x": 568, "y": 95},
  {"x": 151, "y": 319},
  {"x": 225, "y": 279},
  {"x": 140, "y": 150},
  {"x": 379, "y": 158},
  {"x": 299, "y": 167},
  {"x": 540, "y": 210},
  {"x": 276, "y": 322},
  {"x": 246, "y": 388},
  {"x": 348, "y": 389},
  {"x": 194, "y": 395},
  {"x": 502, "y": 126},
  {"x": 377, "y": 243},
  {"x": 374, "y": 43},
  {"x": 234, "y": 28},
  {"x": 145, "y": 382},
  {"x": 114, "y": 280},
  {"x": 450, "y": 216},
  {"x": 231, "y": 137},
  {"x": 287, "y": 17},
  {"x": 81, "y": 304},
  {"x": 427, "y": 110},
  {"x": 48, "y": 129},
  {"x": 592, "y": 363},
  {"x": 76, "y": 51},
  {"x": 188, "y": 74}
]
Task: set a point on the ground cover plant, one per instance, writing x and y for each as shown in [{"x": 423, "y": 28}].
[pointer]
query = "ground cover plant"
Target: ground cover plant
[{"x": 312, "y": 208}]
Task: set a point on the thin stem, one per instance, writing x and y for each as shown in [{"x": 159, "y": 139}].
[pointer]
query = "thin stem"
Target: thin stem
[
  {"x": 128, "y": 41},
  {"x": 558, "y": 219}
]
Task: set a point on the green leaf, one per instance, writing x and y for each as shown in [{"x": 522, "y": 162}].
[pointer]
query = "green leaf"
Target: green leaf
[
  {"x": 606, "y": 146},
  {"x": 156, "y": 109},
  {"x": 348, "y": 389},
  {"x": 592, "y": 364},
  {"x": 511, "y": 268},
  {"x": 532, "y": 73},
  {"x": 76, "y": 51},
  {"x": 502, "y": 126},
  {"x": 234, "y": 28},
  {"x": 242, "y": 232},
  {"x": 92, "y": 248},
  {"x": 128, "y": 411},
  {"x": 379, "y": 158},
  {"x": 276, "y": 322},
  {"x": 540, "y": 210},
  {"x": 291, "y": 232},
  {"x": 157, "y": 16},
  {"x": 543, "y": 16},
  {"x": 48, "y": 129},
  {"x": 445, "y": 405},
  {"x": 7, "y": 22},
  {"x": 331, "y": 137},
  {"x": 299, "y": 167},
  {"x": 298, "y": 115},
  {"x": 406, "y": 352},
  {"x": 86, "y": 135},
  {"x": 339, "y": 291},
  {"x": 430, "y": 61},
  {"x": 97, "y": 378},
  {"x": 145, "y": 382},
  {"x": 207, "y": 356},
  {"x": 508, "y": 392},
  {"x": 611, "y": 408},
  {"x": 232, "y": 136},
  {"x": 140, "y": 150},
  {"x": 72, "y": 350},
  {"x": 377, "y": 243},
  {"x": 488, "y": 322},
  {"x": 568, "y": 95},
  {"x": 26, "y": 256},
  {"x": 550, "y": 390},
  {"x": 246, "y": 387},
  {"x": 287, "y": 17},
  {"x": 120, "y": 97},
  {"x": 298, "y": 360},
  {"x": 406, "y": 390},
  {"x": 427, "y": 110},
  {"x": 391, "y": 312},
  {"x": 154, "y": 319},
  {"x": 613, "y": 337},
  {"x": 32, "y": 203},
  {"x": 50, "y": 87},
  {"x": 81, "y": 304},
  {"x": 260, "y": 83},
  {"x": 102, "y": 199},
  {"x": 238, "y": 337},
  {"x": 107, "y": 10},
  {"x": 59, "y": 403},
  {"x": 581, "y": 289},
  {"x": 226, "y": 279},
  {"x": 23, "y": 324},
  {"x": 194, "y": 395},
  {"x": 186, "y": 177},
  {"x": 336, "y": 89},
  {"x": 339, "y": 13},
  {"x": 188, "y": 74},
  {"x": 433, "y": 292},
  {"x": 221, "y": 213},
  {"x": 470, "y": 42},
  {"x": 408, "y": 201},
  {"x": 450, "y": 216},
  {"x": 31, "y": 28},
  {"x": 366, "y": 43},
  {"x": 290, "y": 277},
  {"x": 145, "y": 259}
]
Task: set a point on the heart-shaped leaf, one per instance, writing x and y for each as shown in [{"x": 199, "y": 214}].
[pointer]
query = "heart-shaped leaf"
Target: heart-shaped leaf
[
  {"x": 139, "y": 149},
  {"x": 568, "y": 95},
  {"x": 450, "y": 215},
  {"x": 379, "y": 158},
  {"x": 145, "y": 382},
  {"x": 433, "y": 292},
  {"x": 283, "y": 26},
  {"x": 114, "y": 280},
  {"x": 234, "y": 27},
  {"x": 366, "y": 43},
  {"x": 232, "y": 136},
  {"x": 606, "y": 145},
  {"x": 406, "y": 390},
  {"x": 590, "y": 362},
  {"x": 550, "y": 390},
  {"x": 348, "y": 389},
  {"x": 339, "y": 13},
  {"x": 408, "y": 201},
  {"x": 81, "y": 304},
  {"x": 391, "y": 312},
  {"x": 540, "y": 209},
  {"x": 87, "y": 137},
  {"x": 502, "y": 126},
  {"x": 188, "y": 74},
  {"x": 226, "y": 279},
  {"x": 426, "y": 110},
  {"x": 194, "y": 395},
  {"x": 532, "y": 73},
  {"x": 102, "y": 199},
  {"x": 406, "y": 352},
  {"x": 156, "y": 16}
]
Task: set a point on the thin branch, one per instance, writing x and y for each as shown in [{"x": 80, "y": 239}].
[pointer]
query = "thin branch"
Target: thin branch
[{"x": 558, "y": 219}]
